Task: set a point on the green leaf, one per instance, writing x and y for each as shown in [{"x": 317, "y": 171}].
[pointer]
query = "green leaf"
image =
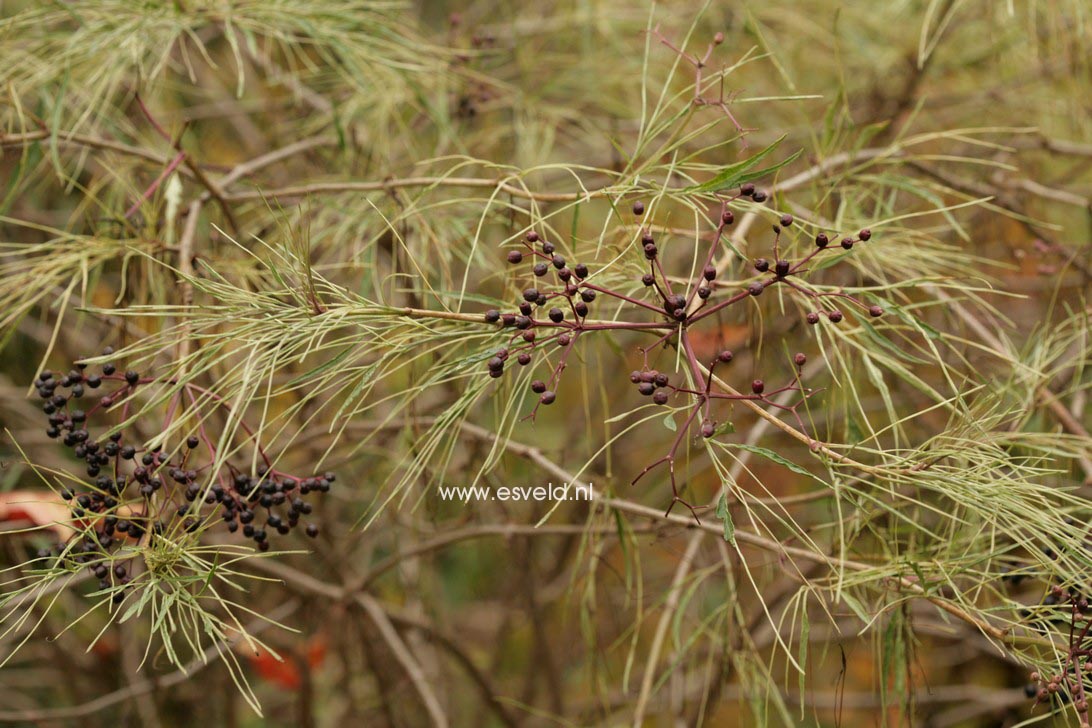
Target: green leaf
[
  {"x": 741, "y": 172},
  {"x": 726, "y": 518},
  {"x": 771, "y": 455},
  {"x": 669, "y": 422}
]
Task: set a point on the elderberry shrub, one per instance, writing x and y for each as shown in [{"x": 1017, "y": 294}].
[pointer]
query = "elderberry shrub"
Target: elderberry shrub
[
  {"x": 133, "y": 494},
  {"x": 556, "y": 313}
]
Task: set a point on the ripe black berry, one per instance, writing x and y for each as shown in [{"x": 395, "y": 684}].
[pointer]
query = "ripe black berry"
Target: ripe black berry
[
  {"x": 558, "y": 262},
  {"x": 648, "y": 279},
  {"x": 812, "y": 318},
  {"x": 727, "y": 217},
  {"x": 547, "y": 398},
  {"x": 540, "y": 269},
  {"x": 581, "y": 308},
  {"x": 524, "y": 359},
  {"x": 847, "y": 243},
  {"x": 588, "y": 295},
  {"x": 786, "y": 220},
  {"x": 709, "y": 273},
  {"x": 875, "y": 311},
  {"x": 704, "y": 292},
  {"x": 821, "y": 240},
  {"x": 492, "y": 316},
  {"x": 762, "y": 265},
  {"x": 515, "y": 256},
  {"x": 747, "y": 189},
  {"x": 758, "y": 386},
  {"x": 800, "y": 360},
  {"x": 530, "y": 295},
  {"x": 755, "y": 289},
  {"x": 650, "y": 251},
  {"x": 312, "y": 530},
  {"x": 646, "y": 388},
  {"x": 581, "y": 271},
  {"x": 834, "y": 316},
  {"x": 522, "y": 322},
  {"x": 532, "y": 237},
  {"x": 864, "y": 234},
  {"x": 538, "y": 386},
  {"x": 759, "y": 196},
  {"x": 660, "y": 396},
  {"x": 781, "y": 267},
  {"x": 638, "y": 208},
  {"x": 548, "y": 248}
]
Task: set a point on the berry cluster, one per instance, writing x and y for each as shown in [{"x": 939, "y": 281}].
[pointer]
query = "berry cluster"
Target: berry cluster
[
  {"x": 553, "y": 313},
  {"x": 1073, "y": 609},
  {"x": 137, "y": 493}
]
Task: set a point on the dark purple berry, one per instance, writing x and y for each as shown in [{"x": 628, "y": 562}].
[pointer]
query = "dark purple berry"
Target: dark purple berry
[
  {"x": 834, "y": 316},
  {"x": 540, "y": 269},
  {"x": 812, "y": 318},
  {"x": 646, "y": 388},
  {"x": 725, "y": 356},
  {"x": 530, "y": 295},
  {"x": 786, "y": 220},
  {"x": 648, "y": 279},
  {"x": 547, "y": 398},
  {"x": 821, "y": 240},
  {"x": 638, "y": 208},
  {"x": 781, "y": 267},
  {"x": 747, "y": 189},
  {"x": 864, "y": 234},
  {"x": 875, "y": 311},
  {"x": 762, "y": 265},
  {"x": 759, "y": 196},
  {"x": 660, "y": 396},
  {"x": 708, "y": 429},
  {"x": 524, "y": 359},
  {"x": 492, "y": 316},
  {"x": 515, "y": 256},
  {"x": 847, "y": 243},
  {"x": 538, "y": 386},
  {"x": 709, "y": 273},
  {"x": 581, "y": 271},
  {"x": 800, "y": 360},
  {"x": 755, "y": 289},
  {"x": 758, "y": 386},
  {"x": 312, "y": 530},
  {"x": 132, "y": 377},
  {"x": 532, "y": 237}
]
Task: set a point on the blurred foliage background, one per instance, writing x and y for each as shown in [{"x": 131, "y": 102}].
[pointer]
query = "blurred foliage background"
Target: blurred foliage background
[{"x": 185, "y": 180}]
